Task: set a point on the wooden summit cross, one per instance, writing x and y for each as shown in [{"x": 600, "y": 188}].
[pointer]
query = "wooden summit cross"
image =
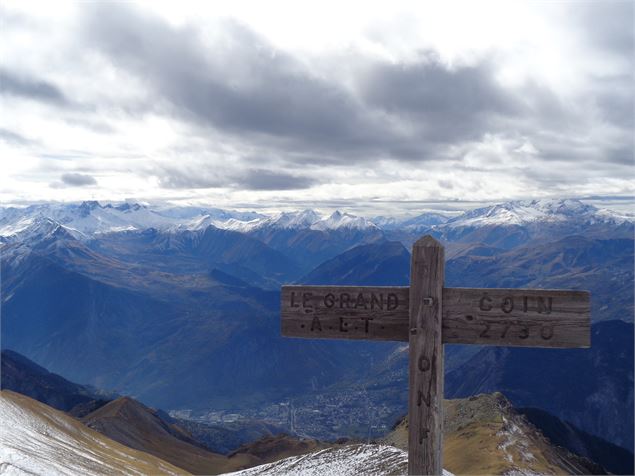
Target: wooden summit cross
[{"x": 427, "y": 315}]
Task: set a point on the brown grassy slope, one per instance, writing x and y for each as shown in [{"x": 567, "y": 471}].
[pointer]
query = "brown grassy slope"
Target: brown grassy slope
[
  {"x": 133, "y": 424},
  {"x": 38, "y": 437},
  {"x": 484, "y": 435},
  {"x": 274, "y": 448}
]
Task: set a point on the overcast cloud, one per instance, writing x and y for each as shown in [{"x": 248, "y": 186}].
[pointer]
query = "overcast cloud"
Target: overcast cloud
[{"x": 237, "y": 105}]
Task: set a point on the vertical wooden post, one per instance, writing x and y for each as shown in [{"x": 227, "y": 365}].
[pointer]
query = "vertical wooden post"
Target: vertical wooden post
[{"x": 425, "y": 411}]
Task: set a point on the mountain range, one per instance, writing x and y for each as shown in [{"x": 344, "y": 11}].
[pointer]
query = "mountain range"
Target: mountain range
[{"x": 179, "y": 306}]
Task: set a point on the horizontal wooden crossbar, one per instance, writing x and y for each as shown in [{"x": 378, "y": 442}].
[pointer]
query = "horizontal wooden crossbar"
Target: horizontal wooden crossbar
[{"x": 509, "y": 317}]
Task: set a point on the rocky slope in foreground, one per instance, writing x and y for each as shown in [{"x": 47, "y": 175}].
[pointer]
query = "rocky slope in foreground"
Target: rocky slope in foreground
[
  {"x": 485, "y": 435},
  {"x": 350, "y": 460},
  {"x": 37, "y": 439}
]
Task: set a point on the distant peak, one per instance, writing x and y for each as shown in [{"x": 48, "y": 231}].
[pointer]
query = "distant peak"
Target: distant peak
[
  {"x": 343, "y": 220},
  {"x": 122, "y": 406},
  {"x": 124, "y": 207},
  {"x": 90, "y": 204},
  {"x": 522, "y": 212}
]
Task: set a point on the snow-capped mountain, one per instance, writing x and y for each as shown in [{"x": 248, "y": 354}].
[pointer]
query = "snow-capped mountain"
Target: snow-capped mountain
[
  {"x": 339, "y": 220},
  {"x": 510, "y": 224},
  {"x": 281, "y": 221},
  {"x": 87, "y": 217},
  {"x": 424, "y": 220},
  {"x": 91, "y": 218},
  {"x": 302, "y": 220},
  {"x": 36, "y": 229},
  {"x": 526, "y": 212}
]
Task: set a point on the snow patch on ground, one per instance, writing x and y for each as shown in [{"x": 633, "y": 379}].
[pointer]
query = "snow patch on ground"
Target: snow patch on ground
[
  {"x": 353, "y": 460},
  {"x": 513, "y": 437},
  {"x": 36, "y": 439}
]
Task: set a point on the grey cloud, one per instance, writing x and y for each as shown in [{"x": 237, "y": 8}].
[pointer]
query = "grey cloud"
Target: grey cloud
[
  {"x": 273, "y": 104},
  {"x": 448, "y": 105},
  {"x": 78, "y": 180},
  {"x": 608, "y": 24},
  {"x": 32, "y": 88},
  {"x": 445, "y": 184},
  {"x": 184, "y": 177},
  {"x": 614, "y": 98},
  {"x": 14, "y": 138},
  {"x": 250, "y": 179},
  {"x": 268, "y": 180},
  {"x": 245, "y": 86}
]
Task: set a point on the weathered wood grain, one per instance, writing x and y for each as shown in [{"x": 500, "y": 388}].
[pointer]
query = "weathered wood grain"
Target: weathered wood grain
[
  {"x": 425, "y": 426},
  {"x": 509, "y": 317},
  {"x": 517, "y": 317},
  {"x": 345, "y": 312}
]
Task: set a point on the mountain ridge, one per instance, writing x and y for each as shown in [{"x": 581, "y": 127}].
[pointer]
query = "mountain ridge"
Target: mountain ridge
[{"x": 92, "y": 217}]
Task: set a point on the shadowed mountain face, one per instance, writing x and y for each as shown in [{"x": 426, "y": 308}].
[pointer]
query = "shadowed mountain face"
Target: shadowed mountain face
[
  {"x": 171, "y": 339},
  {"x": 381, "y": 264},
  {"x": 21, "y": 375},
  {"x": 602, "y": 266},
  {"x": 591, "y": 388},
  {"x": 312, "y": 247},
  {"x": 199, "y": 251},
  {"x": 615, "y": 459}
]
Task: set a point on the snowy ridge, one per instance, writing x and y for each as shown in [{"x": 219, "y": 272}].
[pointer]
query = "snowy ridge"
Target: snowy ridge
[
  {"x": 302, "y": 219},
  {"x": 532, "y": 211},
  {"x": 35, "y": 228},
  {"x": 283, "y": 220},
  {"x": 352, "y": 460},
  {"x": 339, "y": 220},
  {"x": 234, "y": 224},
  {"x": 92, "y": 218},
  {"x": 37, "y": 439}
]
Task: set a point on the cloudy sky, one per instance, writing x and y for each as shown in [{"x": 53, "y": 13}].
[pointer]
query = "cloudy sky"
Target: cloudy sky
[{"x": 289, "y": 104}]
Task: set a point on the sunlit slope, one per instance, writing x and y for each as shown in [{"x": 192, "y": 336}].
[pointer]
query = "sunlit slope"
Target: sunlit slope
[
  {"x": 37, "y": 439},
  {"x": 485, "y": 435},
  {"x": 133, "y": 424}
]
